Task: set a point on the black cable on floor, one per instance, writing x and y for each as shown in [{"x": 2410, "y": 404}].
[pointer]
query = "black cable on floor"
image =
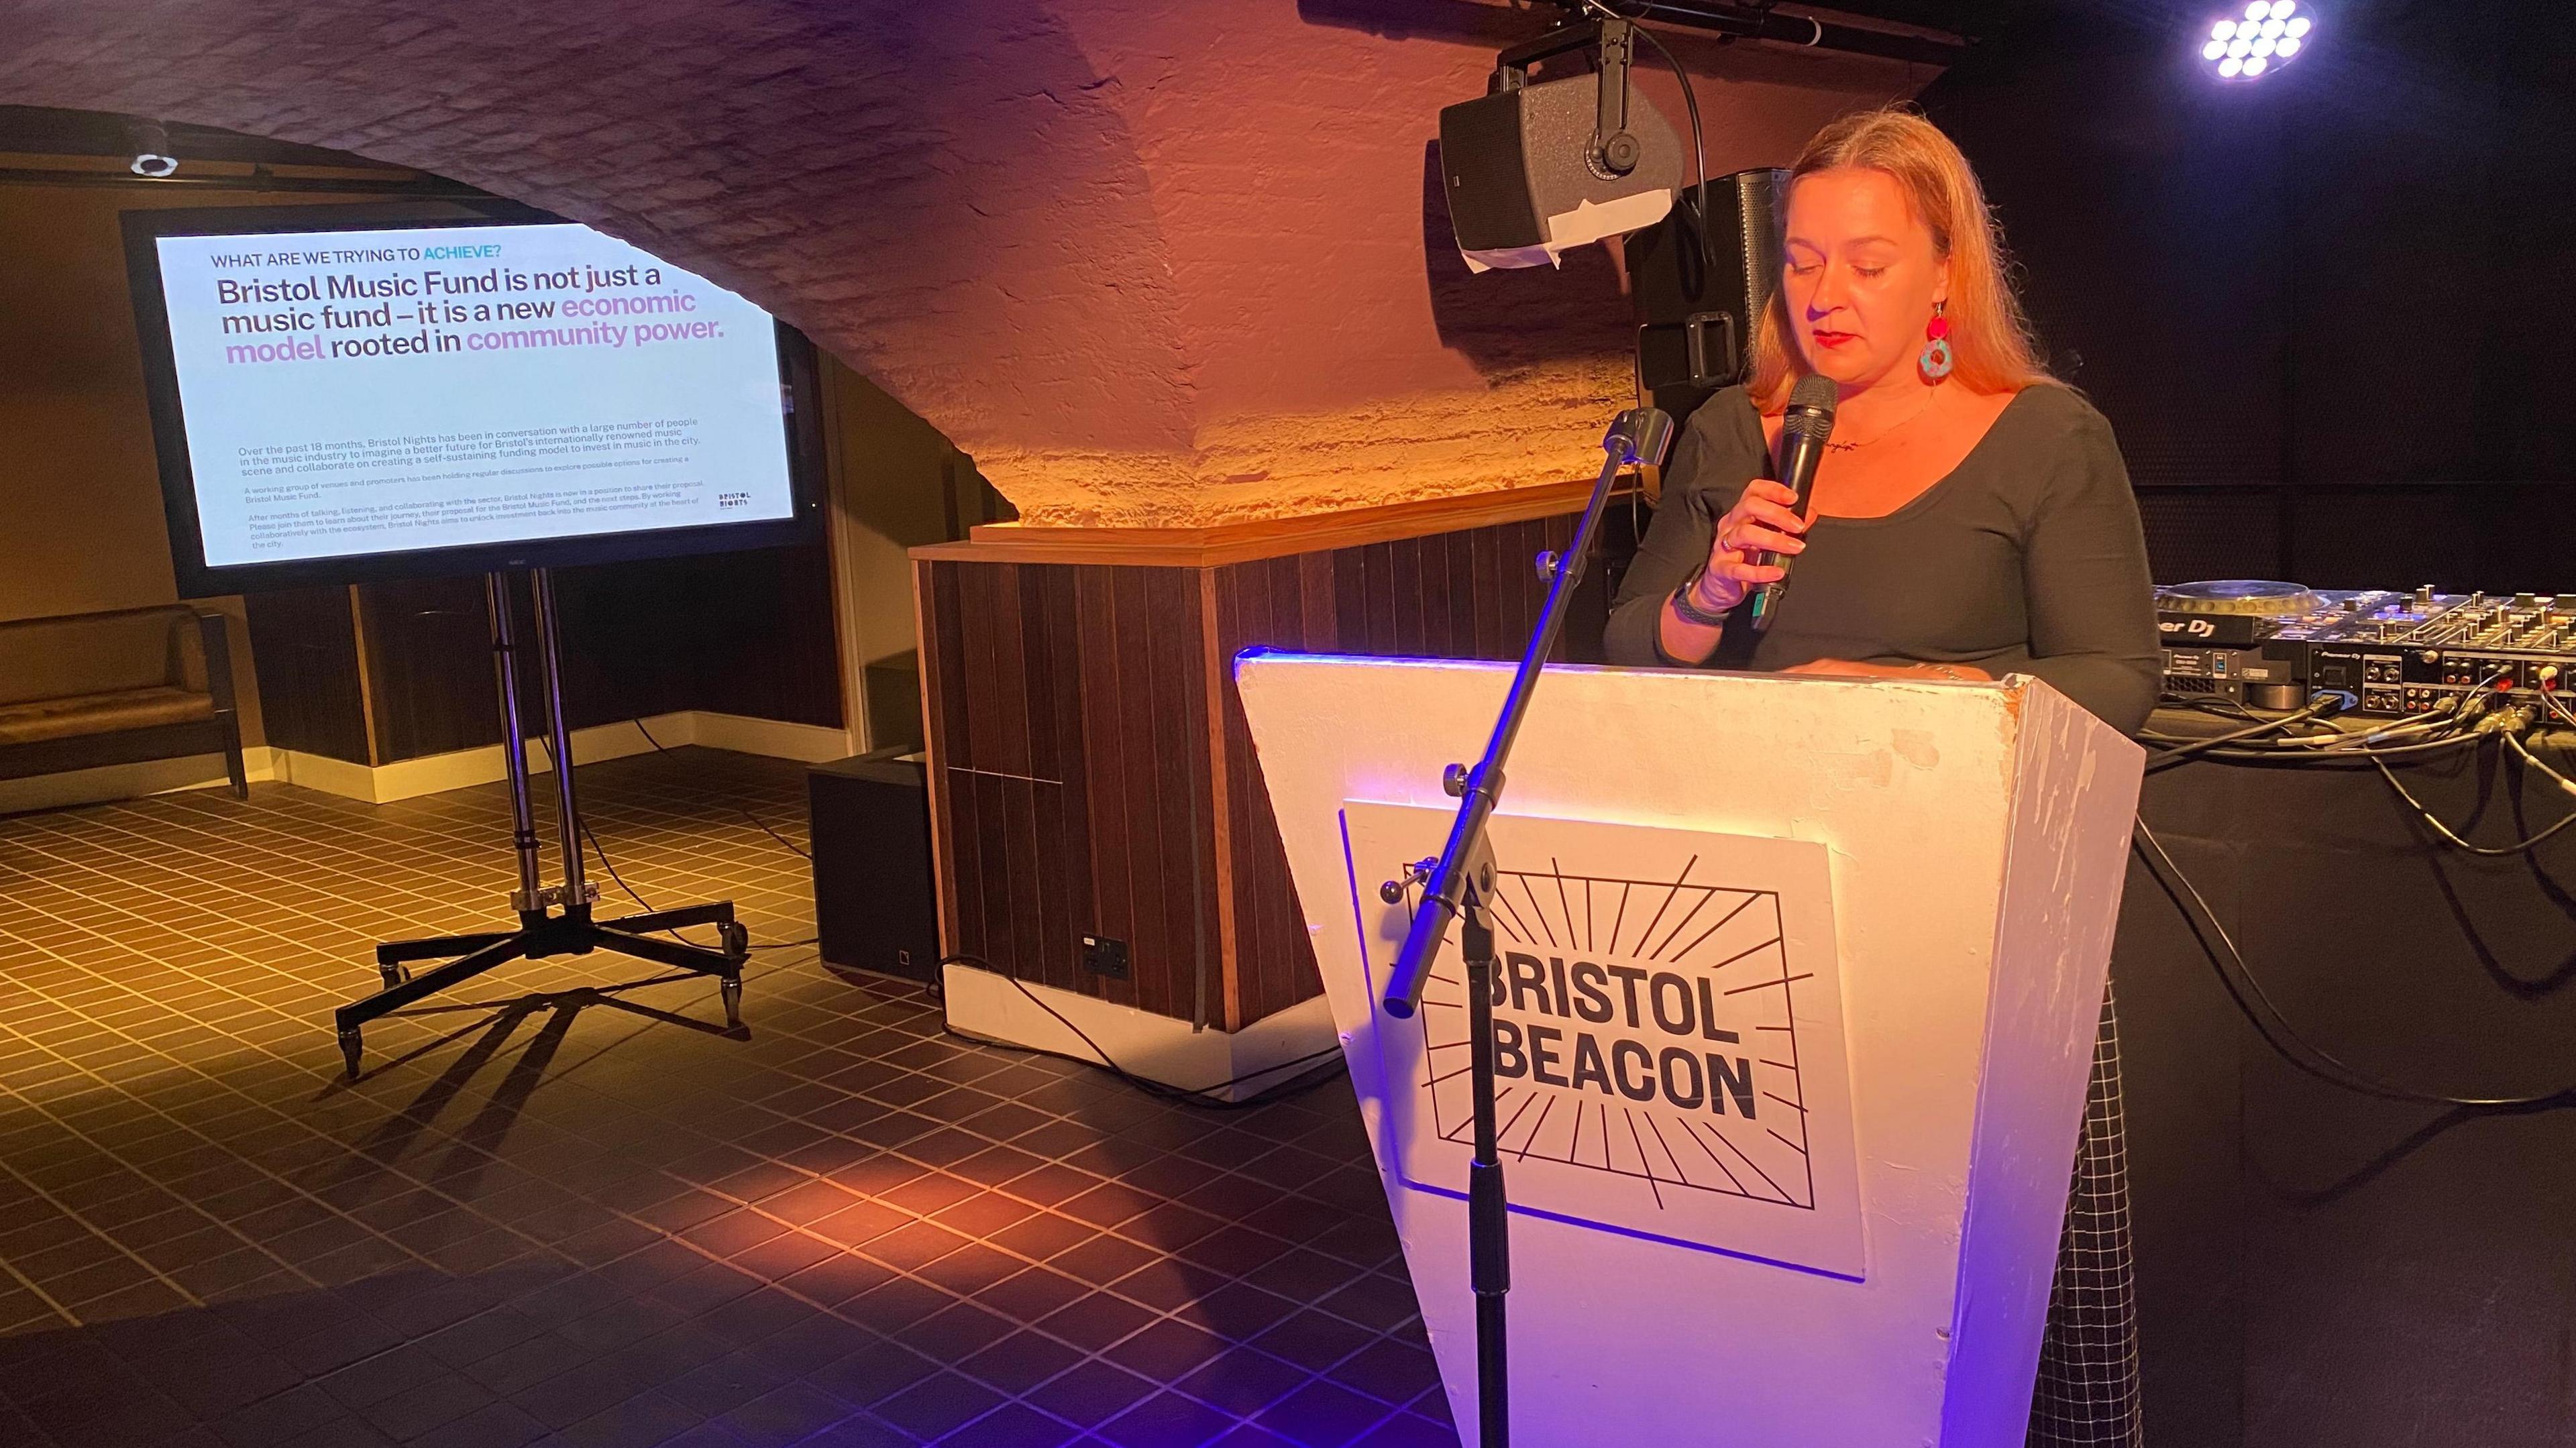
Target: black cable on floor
[
  {"x": 1207, "y": 1097},
  {"x": 581, "y": 822},
  {"x": 737, "y": 808}
]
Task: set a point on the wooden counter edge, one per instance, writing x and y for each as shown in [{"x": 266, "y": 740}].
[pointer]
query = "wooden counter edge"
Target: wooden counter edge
[{"x": 1253, "y": 539}]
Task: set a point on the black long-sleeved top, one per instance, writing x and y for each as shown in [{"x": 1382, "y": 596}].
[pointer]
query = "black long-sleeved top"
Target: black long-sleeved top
[{"x": 2026, "y": 558}]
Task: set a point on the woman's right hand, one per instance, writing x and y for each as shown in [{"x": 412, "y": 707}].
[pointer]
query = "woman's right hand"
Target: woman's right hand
[{"x": 1764, "y": 518}]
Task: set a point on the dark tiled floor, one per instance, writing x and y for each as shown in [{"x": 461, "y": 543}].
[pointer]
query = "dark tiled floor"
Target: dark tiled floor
[{"x": 566, "y": 1207}]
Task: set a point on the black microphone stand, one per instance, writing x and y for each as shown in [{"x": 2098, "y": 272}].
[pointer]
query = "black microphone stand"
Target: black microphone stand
[{"x": 1456, "y": 887}]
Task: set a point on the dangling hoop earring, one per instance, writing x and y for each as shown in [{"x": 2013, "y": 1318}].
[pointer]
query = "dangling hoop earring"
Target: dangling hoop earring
[{"x": 1937, "y": 358}]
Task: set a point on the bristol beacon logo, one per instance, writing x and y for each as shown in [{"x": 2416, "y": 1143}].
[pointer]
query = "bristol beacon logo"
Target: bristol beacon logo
[{"x": 1643, "y": 1028}]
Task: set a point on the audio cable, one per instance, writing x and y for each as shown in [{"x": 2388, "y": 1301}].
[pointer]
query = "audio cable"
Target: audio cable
[
  {"x": 2508, "y": 726},
  {"x": 1313, "y": 1069},
  {"x": 2246, "y": 990},
  {"x": 2437, "y": 731}
]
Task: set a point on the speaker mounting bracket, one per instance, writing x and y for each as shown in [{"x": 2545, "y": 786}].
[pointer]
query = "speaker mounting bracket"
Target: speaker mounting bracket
[{"x": 1614, "y": 151}]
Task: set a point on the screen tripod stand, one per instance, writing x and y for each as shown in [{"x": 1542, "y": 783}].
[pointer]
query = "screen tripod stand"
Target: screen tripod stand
[{"x": 553, "y": 919}]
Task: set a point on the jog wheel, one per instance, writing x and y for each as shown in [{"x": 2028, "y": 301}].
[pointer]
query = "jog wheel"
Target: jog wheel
[{"x": 2261, "y": 597}]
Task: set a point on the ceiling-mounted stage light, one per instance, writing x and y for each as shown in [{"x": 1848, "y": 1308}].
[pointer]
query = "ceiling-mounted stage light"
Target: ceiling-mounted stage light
[
  {"x": 2264, "y": 38},
  {"x": 152, "y": 156}
]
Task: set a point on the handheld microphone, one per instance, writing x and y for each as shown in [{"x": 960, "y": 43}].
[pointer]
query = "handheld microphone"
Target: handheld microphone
[{"x": 1804, "y": 426}]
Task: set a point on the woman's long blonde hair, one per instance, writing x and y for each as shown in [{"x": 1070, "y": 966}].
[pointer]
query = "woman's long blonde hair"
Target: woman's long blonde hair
[{"x": 1989, "y": 335}]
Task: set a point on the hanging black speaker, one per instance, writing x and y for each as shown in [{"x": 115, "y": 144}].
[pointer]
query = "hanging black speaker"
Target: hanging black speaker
[
  {"x": 1700, "y": 283},
  {"x": 1533, "y": 169}
]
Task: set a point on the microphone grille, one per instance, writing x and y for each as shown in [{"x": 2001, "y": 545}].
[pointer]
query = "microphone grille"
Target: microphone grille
[{"x": 1811, "y": 407}]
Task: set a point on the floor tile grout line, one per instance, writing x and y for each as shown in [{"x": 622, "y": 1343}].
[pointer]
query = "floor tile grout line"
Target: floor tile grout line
[
  {"x": 38, "y": 1289},
  {"x": 141, "y": 996},
  {"x": 92, "y": 1228},
  {"x": 237, "y": 994},
  {"x": 752, "y": 839},
  {"x": 280, "y": 1016},
  {"x": 881, "y": 1015},
  {"x": 1157, "y": 1314},
  {"x": 284, "y": 937},
  {"x": 112, "y": 820},
  {"x": 356, "y": 858},
  {"x": 191, "y": 1128},
  {"x": 291, "y": 1185}
]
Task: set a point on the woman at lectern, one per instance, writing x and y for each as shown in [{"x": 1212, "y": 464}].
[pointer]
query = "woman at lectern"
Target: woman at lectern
[{"x": 1969, "y": 518}]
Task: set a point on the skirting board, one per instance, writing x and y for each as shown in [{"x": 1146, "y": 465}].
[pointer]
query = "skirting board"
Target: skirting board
[
  {"x": 1230, "y": 1065},
  {"x": 411, "y": 778},
  {"x": 130, "y": 781}
]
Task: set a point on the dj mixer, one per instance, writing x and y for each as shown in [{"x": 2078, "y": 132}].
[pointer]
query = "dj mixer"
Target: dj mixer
[{"x": 2273, "y": 645}]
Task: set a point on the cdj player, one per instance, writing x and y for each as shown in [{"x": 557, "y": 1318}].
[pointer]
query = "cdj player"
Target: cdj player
[{"x": 2273, "y": 645}]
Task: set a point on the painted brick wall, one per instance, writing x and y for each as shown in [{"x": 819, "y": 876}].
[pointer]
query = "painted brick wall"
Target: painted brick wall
[{"x": 1149, "y": 260}]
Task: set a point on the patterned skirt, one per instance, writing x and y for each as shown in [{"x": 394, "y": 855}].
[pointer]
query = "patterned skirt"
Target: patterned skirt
[{"x": 2087, "y": 1394}]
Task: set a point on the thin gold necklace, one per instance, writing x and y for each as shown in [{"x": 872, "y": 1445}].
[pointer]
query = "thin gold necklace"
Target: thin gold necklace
[{"x": 1883, "y": 433}]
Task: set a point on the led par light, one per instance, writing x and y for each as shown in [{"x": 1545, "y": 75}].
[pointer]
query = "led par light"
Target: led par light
[{"x": 2266, "y": 37}]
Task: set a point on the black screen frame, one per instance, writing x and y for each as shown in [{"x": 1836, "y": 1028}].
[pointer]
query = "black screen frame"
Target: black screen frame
[{"x": 798, "y": 372}]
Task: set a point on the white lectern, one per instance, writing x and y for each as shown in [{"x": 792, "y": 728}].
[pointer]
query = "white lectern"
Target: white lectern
[{"x": 1799, "y": 985}]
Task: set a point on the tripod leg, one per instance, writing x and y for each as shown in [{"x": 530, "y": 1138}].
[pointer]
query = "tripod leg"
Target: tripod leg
[
  {"x": 677, "y": 918},
  {"x": 661, "y": 951},
  {"x": 357, "y": 1013},
  {"x": 443, "y": 947},
  {"x": 725, "y": 965}
]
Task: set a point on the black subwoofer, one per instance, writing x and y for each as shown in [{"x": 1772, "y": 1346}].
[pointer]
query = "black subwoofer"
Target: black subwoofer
[{"x": 875, "y": 906}]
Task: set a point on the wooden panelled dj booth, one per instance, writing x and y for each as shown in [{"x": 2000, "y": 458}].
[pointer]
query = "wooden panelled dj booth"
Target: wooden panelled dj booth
[{"x": 1077, "y": 788}]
